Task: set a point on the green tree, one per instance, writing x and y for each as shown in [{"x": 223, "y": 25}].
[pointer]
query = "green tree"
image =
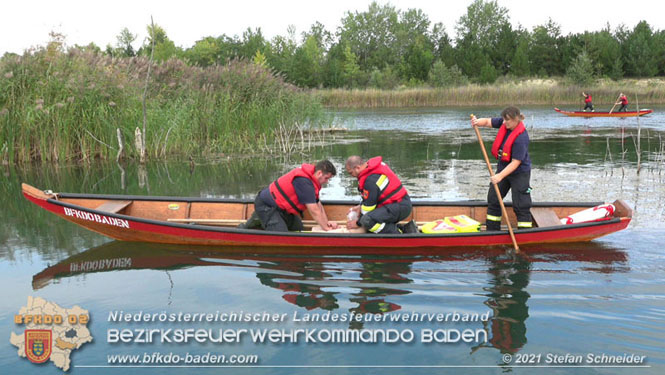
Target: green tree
[
  {"x": 333, "y": 66},
  {"x": 350, "y": 68},
  {"x": 124, "y": 43},
  {"x": 482, "y": 24},
  {"x": 164, "y": 47},
  {"x": 418, "y": 59},
  {"x": 639, "y": 52},
  {"x": 386, "y": 79},
  {"x": 581, "y": 71},
  {"x": 203, "y": 53},
  {"x": 488, "y": 73},
  {"x": 478, "y": 33},
  {"x": 370, "y": 36},
  {"x": 545, "y": 51},
  {"x": 659, "y": 45},
  {"x": 252, "y": 41},
  {"x": 281, "y": 53},
  {"x": 308, "y": 64},
  {"x": 324, "y": 39},
  {"x": 503, "y": 53},
  {"x": 443, "y": 47},
  {"x": 604, "y": 49},
  {"x": 617, "y": 69},
  {"x": 442, "y": 76},
  {"x": 520, "y": 66}
]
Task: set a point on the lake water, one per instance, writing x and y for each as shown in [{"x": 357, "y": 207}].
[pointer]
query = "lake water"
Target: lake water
[{"x": 582, "y": 300}]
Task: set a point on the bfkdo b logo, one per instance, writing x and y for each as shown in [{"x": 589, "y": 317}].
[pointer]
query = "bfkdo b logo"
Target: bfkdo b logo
[
  {"x": 50, "y": 332},
  {"x": 38, "y": 344}
]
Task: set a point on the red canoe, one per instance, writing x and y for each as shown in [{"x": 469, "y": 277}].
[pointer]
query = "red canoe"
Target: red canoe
[
  {"x": 604, "y": 114},
  {"x": 212, "y": 222}
]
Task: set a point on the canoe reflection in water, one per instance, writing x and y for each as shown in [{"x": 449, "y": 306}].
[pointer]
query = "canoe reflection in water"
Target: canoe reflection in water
[
  {"x": 364, "y": 283},
  {"x": 310, "y": 289}
]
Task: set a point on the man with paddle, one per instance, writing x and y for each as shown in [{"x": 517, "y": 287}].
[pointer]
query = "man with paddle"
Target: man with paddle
[
  {"x": 280, "y": 206},
  {"x": 511, "y": 148},
  {"x": 623, "y": 100}
]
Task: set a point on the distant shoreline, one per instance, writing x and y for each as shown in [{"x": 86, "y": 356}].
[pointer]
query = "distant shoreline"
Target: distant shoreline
[{"x": 555, "y": 92}]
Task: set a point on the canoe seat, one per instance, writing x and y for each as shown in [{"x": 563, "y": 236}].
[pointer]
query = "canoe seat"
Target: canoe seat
[
  {"x": 113, "y": 206},
  {"x": 544, "y": 217}
]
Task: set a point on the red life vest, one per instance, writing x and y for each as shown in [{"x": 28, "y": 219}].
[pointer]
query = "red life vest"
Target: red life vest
[
  {"x": 624, "y": 100},
  {"x": 285, "y": 195},
  {"x": 587, "y": 99},
  {"x": 392, "y": 193},
  {"x": 506, "y": 153}
]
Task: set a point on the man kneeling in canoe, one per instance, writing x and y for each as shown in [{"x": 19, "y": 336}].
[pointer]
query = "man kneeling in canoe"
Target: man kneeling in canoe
[
  {"x": 280, "y": 206},
  {"x": 385, "y": 201}
]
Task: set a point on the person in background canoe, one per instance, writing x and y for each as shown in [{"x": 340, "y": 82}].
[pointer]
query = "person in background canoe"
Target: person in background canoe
[
  {"x": 513, "y": 172},
  {"x": 280, "y": 206},
  {"x": 588, "y": 102},
  {"x": 385, "y": 202},
  {"x": 624, "y": 103}
]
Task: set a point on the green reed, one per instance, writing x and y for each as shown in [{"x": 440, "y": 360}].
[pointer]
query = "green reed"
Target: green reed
[
  {"x": 555, "y": 92},
  {"x": 58, "y": 105}
]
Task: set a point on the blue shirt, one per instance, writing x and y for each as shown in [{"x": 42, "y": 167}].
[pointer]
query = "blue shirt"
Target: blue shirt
[{"x": 520, "y": 150}]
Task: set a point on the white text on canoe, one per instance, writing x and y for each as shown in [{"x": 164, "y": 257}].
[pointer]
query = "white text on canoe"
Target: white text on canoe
[{"x": 97, "y": 218}]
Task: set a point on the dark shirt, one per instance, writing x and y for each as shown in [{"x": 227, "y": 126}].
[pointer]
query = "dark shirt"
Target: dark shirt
[
  {"x": 520, "y": 150},
  {"x": 304, "y": 190}
]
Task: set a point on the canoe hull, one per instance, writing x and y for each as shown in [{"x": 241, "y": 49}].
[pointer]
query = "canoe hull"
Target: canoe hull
[
  {"x": 604, "y": 114},
  {"x": 130, "y": 228}
]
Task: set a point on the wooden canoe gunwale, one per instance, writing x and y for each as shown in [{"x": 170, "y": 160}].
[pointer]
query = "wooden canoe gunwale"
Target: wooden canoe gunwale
[
  {"x": 208, "y": 228},
  {"x": 473, "y": 203}
]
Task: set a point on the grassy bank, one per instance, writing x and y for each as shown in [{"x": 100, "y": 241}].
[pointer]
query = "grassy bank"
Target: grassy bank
[
  {"x": 527, "y": 92},
  {"x": 57, "y": 105}
]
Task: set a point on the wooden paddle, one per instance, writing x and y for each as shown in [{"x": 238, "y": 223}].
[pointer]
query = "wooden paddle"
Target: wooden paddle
[
  {"x": 496, "y": 187},
  {"x": 615, "y": 103}
]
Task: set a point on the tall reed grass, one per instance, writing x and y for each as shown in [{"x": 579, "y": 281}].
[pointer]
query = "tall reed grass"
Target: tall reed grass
[
  {"x": 555, "y": 92},
  {"x": 57, "y": 105}
]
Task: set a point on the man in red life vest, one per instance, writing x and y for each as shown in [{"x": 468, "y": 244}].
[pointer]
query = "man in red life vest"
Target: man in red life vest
[
  {"x": 384, "y": 200},
  {"x": 623, "y": 100},
  {"x": 511, "y": 148},
  {"x": 588, "y": 102},
  {"x": 280, "y": 206}
]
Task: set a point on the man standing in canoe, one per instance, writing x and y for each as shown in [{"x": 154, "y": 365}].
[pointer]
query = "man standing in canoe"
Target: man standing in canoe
[
  {"x": 624, "y": 103},
  {"x": 513, "y": 172},
  {"x": 280, "y": 206},
  {"x": 588, "y": 103},
  {"x": 385, "y": 201}
]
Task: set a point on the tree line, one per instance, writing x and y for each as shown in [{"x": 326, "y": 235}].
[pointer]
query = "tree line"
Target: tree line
[{"x": 384, "y": 47}]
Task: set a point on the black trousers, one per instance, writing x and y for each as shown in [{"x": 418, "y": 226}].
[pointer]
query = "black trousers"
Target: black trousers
[
  {"x": 518, "y": 183},
  {"x": 623, "y": 108},
  {"x": 588, "y": 105},
  {"x": 275, "y": 219},
  {"x": 385, "y": 218}
]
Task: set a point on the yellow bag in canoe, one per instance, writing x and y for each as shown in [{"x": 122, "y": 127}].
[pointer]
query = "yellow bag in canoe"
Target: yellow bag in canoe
[{"x": 455, "y": 224}]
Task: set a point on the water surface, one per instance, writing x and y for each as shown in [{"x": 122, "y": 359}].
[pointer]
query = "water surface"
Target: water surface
[{"x": 603, "y": 297}]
